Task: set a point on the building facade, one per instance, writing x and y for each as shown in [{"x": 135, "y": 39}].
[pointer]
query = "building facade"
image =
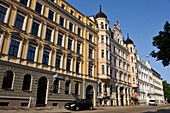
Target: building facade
[
  {"x": 150, "y": 83},
  {"x": 156, "y": 87},
  {"x": 48, "y": 53},
  {"x": 120, "y": 67},
  {"x": 144, "y": 80}
]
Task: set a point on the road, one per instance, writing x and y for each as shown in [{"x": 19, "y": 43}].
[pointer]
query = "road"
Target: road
[
  {"x": 122, "y": 109},
  {"x": 131, "y": 109}
]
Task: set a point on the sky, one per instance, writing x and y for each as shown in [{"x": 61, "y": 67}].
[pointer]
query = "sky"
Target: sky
[{"x": 142, "y": 19}]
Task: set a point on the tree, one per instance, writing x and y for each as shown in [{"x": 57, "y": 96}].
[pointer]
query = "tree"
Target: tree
[
  {"x": 162, "y": 42},
  {"x": 166, "y": 88}
]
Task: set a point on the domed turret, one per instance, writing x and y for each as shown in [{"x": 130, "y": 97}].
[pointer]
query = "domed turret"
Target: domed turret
[
  {"x": 128, "y": 40},
  {"x": 100, "y": 14}
]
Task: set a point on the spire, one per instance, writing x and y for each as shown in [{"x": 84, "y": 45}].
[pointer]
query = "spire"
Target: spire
[
  {"x": 127, "y": 35},
  {"x": 100, "y": 8}
]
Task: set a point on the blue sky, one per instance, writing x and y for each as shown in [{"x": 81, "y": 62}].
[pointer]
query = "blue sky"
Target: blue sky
[{"x": 142, "y": 19}]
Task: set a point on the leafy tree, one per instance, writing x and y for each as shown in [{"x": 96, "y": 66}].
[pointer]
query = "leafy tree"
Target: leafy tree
[
  {"x": 162, "y": 42},
  {"x": 166, "y": 88}
]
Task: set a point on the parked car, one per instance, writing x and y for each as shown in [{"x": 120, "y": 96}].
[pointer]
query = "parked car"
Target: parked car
[
  {"x": 79, "y": 105},
  {"x": 153, "y": 102}
]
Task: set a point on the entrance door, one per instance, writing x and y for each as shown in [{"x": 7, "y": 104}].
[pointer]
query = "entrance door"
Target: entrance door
[
  {"x": 41, "y": 92},
  {"x": 89, "y": 93}
]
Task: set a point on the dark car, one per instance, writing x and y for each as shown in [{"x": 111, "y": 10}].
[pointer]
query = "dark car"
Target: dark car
[{"x": 79, "y": 105}]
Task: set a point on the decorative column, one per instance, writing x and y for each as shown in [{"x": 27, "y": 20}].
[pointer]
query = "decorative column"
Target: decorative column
[
  {"x": 26, "y": 53},
  {"x": 36, "y": 55},
  {"x": 9, "y": 43}
]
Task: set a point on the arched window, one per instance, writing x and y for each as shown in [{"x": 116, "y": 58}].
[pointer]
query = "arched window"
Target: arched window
[
  {"x": 55, "y": 86},
  {"x": 76, "y": 88},
  {"x": 7, "y": 81},
  {"x": 26, "y": 82},
  {"x": 100, "y": 87}
]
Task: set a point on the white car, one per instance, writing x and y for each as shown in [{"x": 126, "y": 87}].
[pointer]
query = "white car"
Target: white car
[{"x": 153, "y": 102}]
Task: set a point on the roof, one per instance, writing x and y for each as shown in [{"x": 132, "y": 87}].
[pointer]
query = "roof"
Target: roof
[
  {"x": 100, "y": 14},
  {"x": 128, "y": 40}
]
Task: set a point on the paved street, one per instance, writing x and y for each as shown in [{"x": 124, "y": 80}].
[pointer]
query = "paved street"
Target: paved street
[{"x": 124, "y": 109}]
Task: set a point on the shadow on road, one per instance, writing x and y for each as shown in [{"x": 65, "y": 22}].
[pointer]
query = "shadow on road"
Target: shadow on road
[{"x": 159, "y": 111}]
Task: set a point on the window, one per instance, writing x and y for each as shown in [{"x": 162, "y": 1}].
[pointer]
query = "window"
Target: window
[
  {"x": 105, "y": 26},
  {"x": 68, "y": 64},
  {"x": 31, "y": 53},
  {"x": 52, "y": 0},
  {"x": 97, "y": 25},
  {"x": 57, "y": 62},
  {"x": 14, "y": 46},
  {"x": 77, "y": 67},
  {"x": 119, "y": 63},
  {"x": 71, "y": 26},
  {"x": 62, "y": 6},
  {"x": 102, "y": 53},
  {"x": 35, "y": 27},
  {"x": 106, "y": 40},
  {"x": 102, "y": 69},
  {"x": 113, "y": 49},
  {"x": 26, "y": 82},
  {"x": 110, "y": 59},
  {"x": 107, "y": 55},
  {"x": 50, "y": 15},
  {"x": 67, "y": 84},
  {"x": 102, "y": 27},
  {"x": 78, "y": 48},
  {"x": 61, "y": 21},
  {"x": 79, "y": 32},
  {"x": 90, "y": 38},
  {"x": 102, "y": 39},
  {"x": 130, "y": 49},
  {"x": 110, "y": 73},
  {"x": 76, "y": 88},
  {"x": 115, "y": 75},
  {"x": 60, "y": 37},
  {"x": 7, "y": 81},
  {"x": 90, "y": 53},
  {"x": 38, "y": 7},
  {"x": 133, "y": 80},
  {"x": 69, "y": 44},
  {"x": 55, "y": 85},
  {"x": 48, "y": 34},
  {"x": 107, "y": 70},
  {"x": 19, "y": 21},
  {"x": 100, "y": 87},
  {"x": 2, "y": 13},
  {"x": 131, "y": 59},
  {"x": 110, "y": 47},
  {"x": 133, "y": 69},
  {"x": 24, "y": 2},
  {"x": 114, "y": 61},
  {"x": 45, "y": 57},
  {"x": 71, "y": 12},
  {"x": 79, "y": 17},
  {"x": 111, "y": 90},
  {"x": 90, "y": 70},
  {"x": 91, "y": 25}
]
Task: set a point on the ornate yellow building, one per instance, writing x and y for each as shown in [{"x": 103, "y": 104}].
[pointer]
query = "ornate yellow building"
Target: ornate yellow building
[{"x": 48, "y": 53}]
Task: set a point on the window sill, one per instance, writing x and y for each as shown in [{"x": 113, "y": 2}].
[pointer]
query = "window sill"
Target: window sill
[{"x": 8, "y": 89}]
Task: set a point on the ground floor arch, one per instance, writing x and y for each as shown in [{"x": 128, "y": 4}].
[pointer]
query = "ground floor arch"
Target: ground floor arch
[{"x": 41, "y": 92}]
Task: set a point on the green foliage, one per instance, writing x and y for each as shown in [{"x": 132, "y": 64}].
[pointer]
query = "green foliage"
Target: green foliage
[
  {"x": 162, "y": 42},
  {"x": 166, "y": 88}
]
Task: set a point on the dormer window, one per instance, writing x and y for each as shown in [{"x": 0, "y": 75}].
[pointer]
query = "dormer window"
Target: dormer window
[
  {"x": 71, "y": 12},
  {"x": 63, "y": 6}
]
